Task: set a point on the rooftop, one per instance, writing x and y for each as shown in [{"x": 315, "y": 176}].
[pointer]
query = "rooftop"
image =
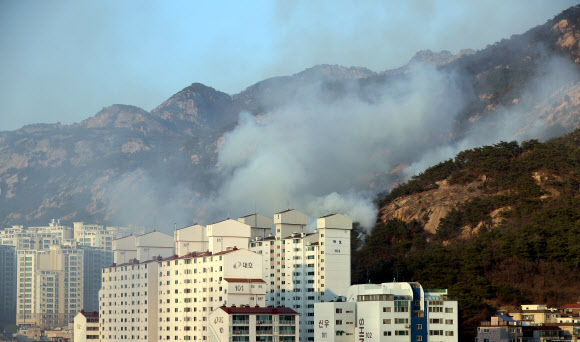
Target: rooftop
[
  {"x": 244, "y": 280},
  {"x": 256, "y": 310}
]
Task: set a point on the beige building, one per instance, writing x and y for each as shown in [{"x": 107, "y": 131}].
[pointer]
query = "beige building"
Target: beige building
[
  {"x": 86, "y": 327},
  {"x": 49, "y": 286},
  {"x": 246, "y": 323}
]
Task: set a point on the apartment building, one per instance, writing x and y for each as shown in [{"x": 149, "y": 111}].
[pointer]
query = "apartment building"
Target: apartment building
[
  {"x": 7, "y": 284},
  {"x": 171, "y": 298},
  {"x": 191, "y": 287},
  {"x": 49, "y": 285},
  {"x": 388, "y": 312},
  {"x": 246, "y": 323},
  {"x": 304, "y": 268},
  {"x": 128, "y": 301}
]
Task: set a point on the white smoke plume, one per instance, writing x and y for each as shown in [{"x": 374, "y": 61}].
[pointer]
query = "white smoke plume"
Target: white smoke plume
[{"x": 321, "y": 156}]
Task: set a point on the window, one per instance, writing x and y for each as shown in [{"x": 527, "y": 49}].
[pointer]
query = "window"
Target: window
[
  {"x": 448, "y": 310},
  {"x": 419, "y": 338},
  {"x": 339, "y": 322},
  {"x": 419, "y": 326},
  {"x": 386, "y": 309},
  {"x": 401, "y": 332},
  {"x": 448, "y": 321},
  {"x": 386, "y": 333},
  {"x": 386, "y": 321}
]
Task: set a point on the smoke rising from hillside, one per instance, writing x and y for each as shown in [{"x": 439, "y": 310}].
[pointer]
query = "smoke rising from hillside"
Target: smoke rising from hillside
[
  {"x": 334, "y": 148},
  {"x": 320, "y": 153}
]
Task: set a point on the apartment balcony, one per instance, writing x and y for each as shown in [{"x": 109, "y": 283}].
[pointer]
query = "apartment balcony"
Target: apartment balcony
[
  {"x": 263, "y": 332},
  {"x": 288, "y": 322},
  {"x": 240, "y": 332},
  {"x": 264, "y": 322},
  {"x": 241, "y": 322}
]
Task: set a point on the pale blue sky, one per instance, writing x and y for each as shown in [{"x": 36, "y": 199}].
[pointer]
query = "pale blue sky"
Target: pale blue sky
[{"x": 62, "y": 61}]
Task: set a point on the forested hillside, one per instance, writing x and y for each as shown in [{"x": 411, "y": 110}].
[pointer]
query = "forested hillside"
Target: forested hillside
[{"x": 515, "y": 240}]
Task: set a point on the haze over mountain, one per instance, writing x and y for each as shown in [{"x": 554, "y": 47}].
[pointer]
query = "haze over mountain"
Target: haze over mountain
[{"x": 327, "y": 139}]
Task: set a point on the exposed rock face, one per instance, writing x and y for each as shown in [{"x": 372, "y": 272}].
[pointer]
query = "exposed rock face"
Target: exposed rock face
[{"x": 430, "y": 206}]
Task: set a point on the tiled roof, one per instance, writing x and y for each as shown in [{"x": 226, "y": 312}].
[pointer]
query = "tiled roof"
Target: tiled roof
[
  {"x": 256, "y": 310},
  {"x": 90, "y": 314},
  {"x": 570, "y": 306},
  {"x": 175, "y": 257},
  {"x": 242, "y": 280}
]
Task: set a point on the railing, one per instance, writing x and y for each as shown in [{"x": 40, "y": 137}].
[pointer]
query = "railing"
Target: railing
[
  {"x": 264, "y": 322},
  {"x": 287, "y": 322},
  {"x": 244, "y": 322},
  {"x": 263, "y": 332},
  {"x": 287, "y": 332},
  {"x": 496, "y": 324},
  {"x": 241, "y": 332}
]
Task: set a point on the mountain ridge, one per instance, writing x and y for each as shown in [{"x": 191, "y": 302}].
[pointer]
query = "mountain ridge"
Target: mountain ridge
[{"x": 71, "y": 167}]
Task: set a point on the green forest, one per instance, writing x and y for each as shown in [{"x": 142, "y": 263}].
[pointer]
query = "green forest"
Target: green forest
[{"x": 531, "y": 256}]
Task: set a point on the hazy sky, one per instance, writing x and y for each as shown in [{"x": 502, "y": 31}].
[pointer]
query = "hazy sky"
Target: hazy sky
[{"x": 62, "y": 61}]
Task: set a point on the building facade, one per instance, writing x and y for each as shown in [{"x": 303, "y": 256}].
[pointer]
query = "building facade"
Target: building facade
[
  {"x": 304, "y": 268},
  {"x": 86, "y": 327},
  {"x": 7, "y": 284},
  {"x": 246, "y": 323},
  {"x": 49, "y": 286},
  {"x": 388, "y": 312}
]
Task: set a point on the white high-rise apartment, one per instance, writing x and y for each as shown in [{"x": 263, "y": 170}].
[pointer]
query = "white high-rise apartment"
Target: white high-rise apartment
[
  {"x": 388, "y": 312},
  {"x": 128, "y": 302},
  {"x": 305, "y": 268},
  {"x": 171, "y": 298}
]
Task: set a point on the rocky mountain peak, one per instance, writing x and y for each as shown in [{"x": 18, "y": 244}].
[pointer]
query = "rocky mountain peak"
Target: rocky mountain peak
[
  {"x": 117, "y": 116},
  {"x": 193, "y": 108}
]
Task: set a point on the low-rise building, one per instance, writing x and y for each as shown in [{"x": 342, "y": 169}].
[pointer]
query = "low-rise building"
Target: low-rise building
[
  {"x": 253, "y": 323},
  {"x": 532, "y": 323},
  {"x": 86, "y": 327}
]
